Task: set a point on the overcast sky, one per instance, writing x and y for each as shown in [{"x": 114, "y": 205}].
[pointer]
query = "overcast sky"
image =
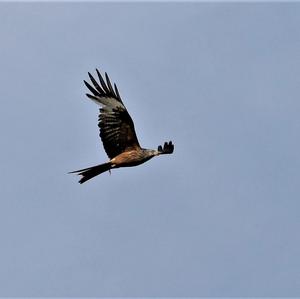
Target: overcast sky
[{"x": 219, "y": 217}]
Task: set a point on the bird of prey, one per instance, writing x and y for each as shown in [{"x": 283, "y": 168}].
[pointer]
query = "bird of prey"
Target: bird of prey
[{"x": 116, "y": 131}]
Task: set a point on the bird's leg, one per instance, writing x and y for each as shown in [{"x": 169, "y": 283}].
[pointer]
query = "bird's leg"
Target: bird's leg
[{"x": 109, "y": 172}]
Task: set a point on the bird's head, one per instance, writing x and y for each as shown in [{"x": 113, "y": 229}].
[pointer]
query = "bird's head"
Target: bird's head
[{"x": 152, "y": 153}]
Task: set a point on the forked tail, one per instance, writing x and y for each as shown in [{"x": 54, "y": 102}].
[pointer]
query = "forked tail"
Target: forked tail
[{"x": 90, "y": 172}]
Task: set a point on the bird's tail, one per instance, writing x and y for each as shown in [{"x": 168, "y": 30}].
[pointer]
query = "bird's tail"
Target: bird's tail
[{"x": 90, "y": 172}]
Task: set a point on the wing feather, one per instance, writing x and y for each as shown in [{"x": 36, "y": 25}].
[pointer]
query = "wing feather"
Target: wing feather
[
  {"x": 117, "y": 91},
  {"x": 95, "y": 83},
  {"x": 116, "y": 126},
  {"x": 92, "y": 89},
  {"x": 109, "y": 85},
  {"x": 102, "y": 82}
]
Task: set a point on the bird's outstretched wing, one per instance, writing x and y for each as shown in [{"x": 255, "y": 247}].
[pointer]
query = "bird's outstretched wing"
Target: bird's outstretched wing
[
  {"x": 116, "y": 126},
  {"x": 167, "y": 149}
]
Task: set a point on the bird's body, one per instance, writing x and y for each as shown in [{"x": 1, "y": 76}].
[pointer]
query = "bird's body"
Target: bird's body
[
  {"x": 116, "y": 131},
  {"x": 133, "y": 157}
]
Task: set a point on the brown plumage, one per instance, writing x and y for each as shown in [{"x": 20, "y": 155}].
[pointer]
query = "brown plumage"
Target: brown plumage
[{"x": 116, "y": 131}]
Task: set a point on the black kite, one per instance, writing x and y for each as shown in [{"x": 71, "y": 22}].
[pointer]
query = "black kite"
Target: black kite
[{"x": 116, "y": 131}]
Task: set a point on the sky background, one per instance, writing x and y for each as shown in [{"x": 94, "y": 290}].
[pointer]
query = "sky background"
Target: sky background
[{"x": 219, "y": 217}]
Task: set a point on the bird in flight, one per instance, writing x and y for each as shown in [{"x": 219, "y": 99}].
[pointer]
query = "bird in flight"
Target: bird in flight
[{"x": 116, "y": 131}]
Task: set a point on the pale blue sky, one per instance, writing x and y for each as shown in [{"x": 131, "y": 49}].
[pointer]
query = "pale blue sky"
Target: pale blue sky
[{"x": 220, "y": 217}]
